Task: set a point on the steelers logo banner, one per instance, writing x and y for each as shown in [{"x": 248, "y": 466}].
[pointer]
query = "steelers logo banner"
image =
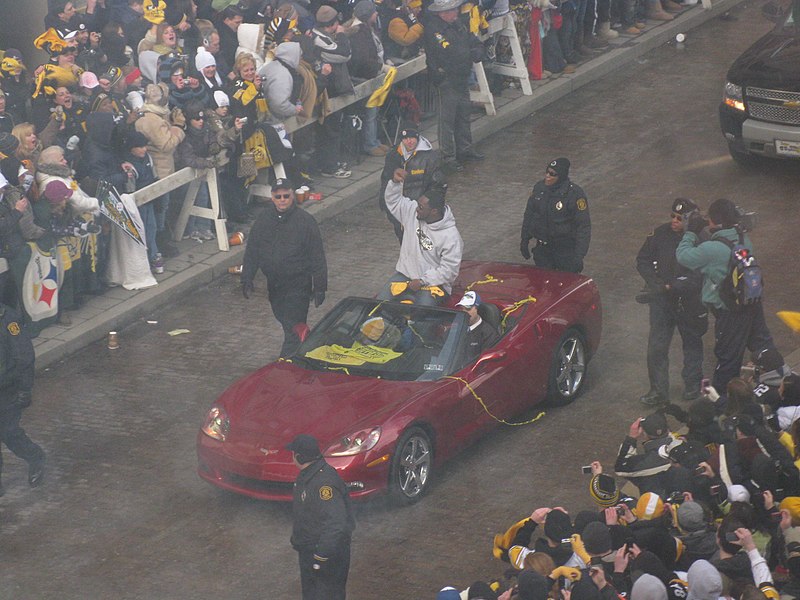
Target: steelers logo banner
[{"x": 326, "y": 492}]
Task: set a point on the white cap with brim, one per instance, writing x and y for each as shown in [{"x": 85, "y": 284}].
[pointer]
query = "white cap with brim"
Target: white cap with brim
[{"x": 469, "y": 300}]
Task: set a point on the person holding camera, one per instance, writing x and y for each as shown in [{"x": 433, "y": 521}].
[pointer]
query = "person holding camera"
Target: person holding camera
[
  {"x": 646, "y": 469},
  {"x": 557, "y": 217},
  {"x": 672, "y": 293},
  {"x": 735, "y": 327},
  {"x": 322, "y": 524},
  {"x": 16, "y": 382}
]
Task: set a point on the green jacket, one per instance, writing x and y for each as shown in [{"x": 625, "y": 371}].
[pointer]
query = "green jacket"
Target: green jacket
[{"x": 711, "y": 258}]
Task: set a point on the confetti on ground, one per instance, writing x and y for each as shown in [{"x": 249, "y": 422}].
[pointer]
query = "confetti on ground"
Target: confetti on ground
[{"x": 178, "y": 331}]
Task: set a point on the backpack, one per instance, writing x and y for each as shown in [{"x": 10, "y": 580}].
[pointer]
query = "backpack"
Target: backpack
[{"x": 743, "y": 285}]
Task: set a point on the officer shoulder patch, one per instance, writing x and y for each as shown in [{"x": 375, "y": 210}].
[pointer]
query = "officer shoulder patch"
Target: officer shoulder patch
[
  {"x": 581, "y": 204},
  {"x": 326, "y": 492},
  {"x": 13, "y": 328}
]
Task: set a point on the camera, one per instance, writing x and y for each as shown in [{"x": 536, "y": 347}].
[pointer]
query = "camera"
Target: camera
[
  {"x": 620, "y": 511},
  {"x": 748, "y": 219},
  {"x": 185, "y": 81},
  {"x": 675, "y": 498},
  {"x": 586, "y": 469},
  {"x": 243, "y": 120},
  {"x": 731, "y": 537}
]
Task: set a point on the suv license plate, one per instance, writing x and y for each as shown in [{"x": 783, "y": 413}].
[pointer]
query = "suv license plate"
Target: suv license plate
[{"x": 787, "y": 148}]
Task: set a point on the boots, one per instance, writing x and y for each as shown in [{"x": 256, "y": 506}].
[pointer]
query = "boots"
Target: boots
[
  {"x": 656, "y": 12},
  {"x": 595, "y": 42},
  {"x": 605, "y": 32},
  {"x": 165, "y": 245},
  {"x": 580, "y": 47}
]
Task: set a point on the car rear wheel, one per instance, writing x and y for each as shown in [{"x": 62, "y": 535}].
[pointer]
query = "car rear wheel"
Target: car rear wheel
[
  {"x": 412, "y": 465},
  {"x": 568, "y": 370}
]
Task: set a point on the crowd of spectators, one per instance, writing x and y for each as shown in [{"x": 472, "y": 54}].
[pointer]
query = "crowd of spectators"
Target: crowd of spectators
[
  {"x": 704, "y": 505},
  {"x": 136, "y": 89}
]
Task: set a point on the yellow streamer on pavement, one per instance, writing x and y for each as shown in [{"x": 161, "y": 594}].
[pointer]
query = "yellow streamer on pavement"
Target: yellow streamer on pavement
[
  {"x": 486, "y": 408},
  {"x": 791, "y": 318}
]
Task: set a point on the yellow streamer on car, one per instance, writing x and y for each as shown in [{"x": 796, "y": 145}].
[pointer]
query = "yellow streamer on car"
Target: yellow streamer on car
[
  {"x": 398, "y": 287},
  {"x": 486, "y": 408},
  {"x": 510, "y": 309},
  {"x": 488, "y": 278}
]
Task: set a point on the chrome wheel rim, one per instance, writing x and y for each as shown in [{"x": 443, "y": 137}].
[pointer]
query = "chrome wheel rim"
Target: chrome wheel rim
[
  {"x": 571, "y": 367},
  {"x": 414, "y": 466}
]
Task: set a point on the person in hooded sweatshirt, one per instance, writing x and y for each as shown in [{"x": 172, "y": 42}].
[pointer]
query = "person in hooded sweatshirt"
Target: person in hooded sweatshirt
[
  {"x": 429, "y": 261},
  {"x": 415, "y": 155},
  {"x": 705, "y": 582},
  {"x": 281, "y": 83}
]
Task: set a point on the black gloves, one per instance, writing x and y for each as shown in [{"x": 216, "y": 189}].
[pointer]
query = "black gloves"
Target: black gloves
[
  {"x": 696, "y": 223},
  {"x": 22, "y": 400},
  {"x": 247, "y": 288},
  {"x": 319, "y": 298},
  {"x": 524, "y": 249}
]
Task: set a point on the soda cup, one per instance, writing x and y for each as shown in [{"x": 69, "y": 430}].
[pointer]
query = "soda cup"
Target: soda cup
[
  {"x": 237, "y": 239},
  {"x": 113, "y": 341},
  {"x": 300, "y": 195}
]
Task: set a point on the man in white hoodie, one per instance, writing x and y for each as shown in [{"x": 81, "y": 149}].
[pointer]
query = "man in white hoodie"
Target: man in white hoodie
[{"x": 430, "y": 253}]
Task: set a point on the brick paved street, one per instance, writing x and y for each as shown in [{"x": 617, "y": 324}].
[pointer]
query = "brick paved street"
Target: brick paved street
[{"x": 122, "y": 513}]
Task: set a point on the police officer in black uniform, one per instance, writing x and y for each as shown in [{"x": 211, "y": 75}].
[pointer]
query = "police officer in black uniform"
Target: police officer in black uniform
[
  {"x": 285, "y": 243},
  {"x": 450, "y": 50},
  {"x": 323, "y": 523},
  {"x": 557, "y": 217},
  {"x": 16, "y": 382},
  {"x": 673, "y": 294}
]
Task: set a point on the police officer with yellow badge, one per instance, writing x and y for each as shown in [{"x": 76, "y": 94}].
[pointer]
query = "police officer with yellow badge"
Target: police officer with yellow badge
[
  {"x": 323, "y": 523},
  {"x": 557, "y": 218},
  {"x": 16, "y": 382}
]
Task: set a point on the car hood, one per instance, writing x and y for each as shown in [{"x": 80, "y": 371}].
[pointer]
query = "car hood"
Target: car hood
[
  {"x": 772, "y": 63},
  {"x": 279, "y": 401}
]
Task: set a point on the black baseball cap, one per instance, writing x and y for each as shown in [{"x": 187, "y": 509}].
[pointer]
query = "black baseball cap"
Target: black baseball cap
[
  {"x": 304, "y": 445},
  {"x": 282, "y": 184}
]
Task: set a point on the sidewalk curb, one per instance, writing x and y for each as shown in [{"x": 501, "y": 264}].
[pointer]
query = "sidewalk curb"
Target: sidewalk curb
[{"x": 62, "y": 344}]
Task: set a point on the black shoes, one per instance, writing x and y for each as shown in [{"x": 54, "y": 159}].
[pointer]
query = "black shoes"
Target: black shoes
[
  {"x": 36, "y": 473},
  {"x": 653, "y": 398},
  {"x": 691, "y": 396},
  {"x": 452, "y": 166},
  {"x": 472, "y": 155}
]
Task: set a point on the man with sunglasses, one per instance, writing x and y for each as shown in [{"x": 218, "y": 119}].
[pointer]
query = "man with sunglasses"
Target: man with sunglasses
[
  {"x": 557, "y": 217},
  {"x": 285, "y": 243},
  {"x": 673, "y": 295}
]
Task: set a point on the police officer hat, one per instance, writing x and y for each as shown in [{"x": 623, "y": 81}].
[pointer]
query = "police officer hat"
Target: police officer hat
[
  {"x": 681, "y": 206},
  {"x": 560, "y": 166},
  {"x": 305, "y": 446}
]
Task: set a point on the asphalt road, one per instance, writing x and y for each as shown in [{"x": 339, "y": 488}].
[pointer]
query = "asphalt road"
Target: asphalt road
[{"x": 122, "y": 513}]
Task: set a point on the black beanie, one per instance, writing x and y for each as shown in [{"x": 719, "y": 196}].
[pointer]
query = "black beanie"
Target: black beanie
[
  {"x": 596, "y": 538},
  {"x": 8, "y": 143},
  {"x": 557, "y": 526},
  {"x": 560, "y": 166}
]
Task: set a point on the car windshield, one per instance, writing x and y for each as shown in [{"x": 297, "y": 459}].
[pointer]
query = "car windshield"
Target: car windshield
[{"x": 387, "y": 340}]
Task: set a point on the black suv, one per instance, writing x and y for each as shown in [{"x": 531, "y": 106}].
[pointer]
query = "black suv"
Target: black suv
[{"x": 760, "y": 109}]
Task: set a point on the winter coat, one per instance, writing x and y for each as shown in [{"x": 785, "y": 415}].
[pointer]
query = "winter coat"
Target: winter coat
[
  {"x": 100, "y": 159},
  {"x": 711, "y": 259},
  {"x": 450, "y": 50},
  {"x": 558, "y": 214},
  {"x": 286, "y": 246},
  {"x": 198, "y": 149},
  {"x": 366, "y": 59},
  {"x": 430, "y": 252},
  {"x": 335, "y": 51},
  {"x": 80, "y": 202},
  {"x": 279, "y": 83},
  {"x": 421, "y": 167},
  {"x": 162, "y": 137}
]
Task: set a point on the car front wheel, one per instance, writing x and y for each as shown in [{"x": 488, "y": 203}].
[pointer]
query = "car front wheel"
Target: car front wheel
[
  {"x": 568, "y": 370},
  {"x": 412, "y": 465}
]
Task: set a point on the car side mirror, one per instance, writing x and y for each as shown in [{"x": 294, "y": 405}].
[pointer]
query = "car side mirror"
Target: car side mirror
[
  {"x": 490, "y": 357},
  {"x": 301, "y": 330}
]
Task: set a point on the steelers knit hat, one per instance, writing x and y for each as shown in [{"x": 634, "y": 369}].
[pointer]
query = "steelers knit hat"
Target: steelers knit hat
[
  {"x": 650, "y": 506},
  {"x": 603, "y": 490}
]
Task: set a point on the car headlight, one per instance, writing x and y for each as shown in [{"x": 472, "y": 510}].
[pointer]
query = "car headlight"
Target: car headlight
[
  {"x": 217, "y": 425},
  {"x": 358, "y": 442},
  {"x": 733, "y": 96}
]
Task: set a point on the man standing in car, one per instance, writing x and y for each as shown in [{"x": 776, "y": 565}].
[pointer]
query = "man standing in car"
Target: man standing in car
[
  {"x": 322, "y": 524},
  {"x": 285, "y": 243},
  {"x": 557, "y": 217}
]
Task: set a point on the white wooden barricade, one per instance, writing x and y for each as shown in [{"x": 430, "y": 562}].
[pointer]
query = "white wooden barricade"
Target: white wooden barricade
[
  {"x": 194, "y": 177},
  {"x": 501, "y": 27}
]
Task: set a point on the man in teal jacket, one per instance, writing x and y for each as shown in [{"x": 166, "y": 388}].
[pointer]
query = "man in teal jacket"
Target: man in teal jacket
[{"x": 735, "y": 328}]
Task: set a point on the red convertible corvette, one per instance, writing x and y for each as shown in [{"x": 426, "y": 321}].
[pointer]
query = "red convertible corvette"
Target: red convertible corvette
[{"x": 389, "y": 391}]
